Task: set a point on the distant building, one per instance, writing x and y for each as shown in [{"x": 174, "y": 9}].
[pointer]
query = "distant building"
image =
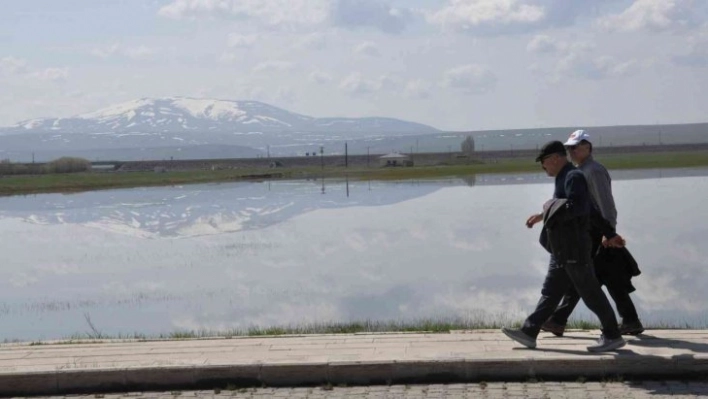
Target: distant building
[
  {"x": 395, "y": 159},
  {"x": 103, "y": 168}
]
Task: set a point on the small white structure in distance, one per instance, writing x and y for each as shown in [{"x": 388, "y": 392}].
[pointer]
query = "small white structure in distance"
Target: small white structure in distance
[{"x": 395, "y": 159}]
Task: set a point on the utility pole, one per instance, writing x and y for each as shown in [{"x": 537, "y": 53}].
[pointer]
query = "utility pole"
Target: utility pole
[
  {"x": 322, "y": 165},
  {"x": 367, "y": 156},
  {"x": 346, "y": 156},
  {"x": 268, "y": 150}
]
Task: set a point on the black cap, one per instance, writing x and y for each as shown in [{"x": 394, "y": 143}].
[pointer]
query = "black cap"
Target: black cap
[{"x": 550, "y": 148}]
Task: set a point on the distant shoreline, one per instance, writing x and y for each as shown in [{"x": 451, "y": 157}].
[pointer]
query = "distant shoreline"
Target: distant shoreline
[{"x": 432, "y": 165}]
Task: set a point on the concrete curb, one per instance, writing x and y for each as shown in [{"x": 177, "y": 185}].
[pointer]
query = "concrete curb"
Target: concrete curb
[{"x": 348, "y": 373}]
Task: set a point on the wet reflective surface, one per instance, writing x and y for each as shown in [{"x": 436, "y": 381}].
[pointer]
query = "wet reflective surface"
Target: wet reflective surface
[{"x": 221, "y": 256}]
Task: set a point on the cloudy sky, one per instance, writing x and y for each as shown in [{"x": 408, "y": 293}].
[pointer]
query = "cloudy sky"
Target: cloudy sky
[{"x": 453, "y": 64}]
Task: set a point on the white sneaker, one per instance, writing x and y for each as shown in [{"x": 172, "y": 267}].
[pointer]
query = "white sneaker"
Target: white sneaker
[
  {"x": 606, "y": 344},
  {"x": 520, "y": 337}
]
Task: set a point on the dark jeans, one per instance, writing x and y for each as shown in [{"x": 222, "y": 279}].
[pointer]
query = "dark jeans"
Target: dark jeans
[
  {"x": 625, "y": 306},
  {"x": 558, "y": 280}
]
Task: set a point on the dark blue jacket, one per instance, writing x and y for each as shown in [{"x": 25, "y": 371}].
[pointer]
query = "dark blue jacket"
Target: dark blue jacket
[{"x": 566, "y": 233}]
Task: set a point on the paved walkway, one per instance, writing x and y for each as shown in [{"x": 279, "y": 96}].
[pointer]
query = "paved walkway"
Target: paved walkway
[
  {"x": 357, "y": 359},
  {"x": 535, "y": 390}
]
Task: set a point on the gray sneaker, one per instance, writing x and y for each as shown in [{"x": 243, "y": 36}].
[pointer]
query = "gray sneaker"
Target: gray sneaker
[
  {"x": 606, "y": 344},
  {"x": 554, "y": 328},
  {"x": 520, "y": 337},
  {"x": 631, "y": 328}
]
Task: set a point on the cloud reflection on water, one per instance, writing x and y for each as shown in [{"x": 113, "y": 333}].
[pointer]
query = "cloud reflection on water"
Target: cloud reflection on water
[{"x": 286, "y": 254}]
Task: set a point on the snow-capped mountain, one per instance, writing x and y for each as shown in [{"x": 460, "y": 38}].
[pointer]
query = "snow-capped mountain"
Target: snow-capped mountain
[
  {"x": 180, "y": 114},
  {"x": 190, "y": 128}
]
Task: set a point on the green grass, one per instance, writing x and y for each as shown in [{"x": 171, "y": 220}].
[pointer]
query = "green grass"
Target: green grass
[
  {"x": 516, "y": 165},
  {"x": 655, "y": 160},
  {"x": 76, "y": 182},
  {"x": 434, "y": 326},
  {"x": 96, "y": 181}
]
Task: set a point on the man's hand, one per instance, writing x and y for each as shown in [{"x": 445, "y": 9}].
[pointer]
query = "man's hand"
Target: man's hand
[
  {"x": 614, "y": 242},
  {"x": 534, "y": 219}
]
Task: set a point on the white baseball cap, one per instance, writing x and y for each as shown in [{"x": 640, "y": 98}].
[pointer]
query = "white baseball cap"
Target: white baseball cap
[{"x": 576, "y": 137}]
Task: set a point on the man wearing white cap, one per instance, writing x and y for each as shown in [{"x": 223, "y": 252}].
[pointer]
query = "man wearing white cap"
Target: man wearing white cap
[{"x": 579, "y": 148}]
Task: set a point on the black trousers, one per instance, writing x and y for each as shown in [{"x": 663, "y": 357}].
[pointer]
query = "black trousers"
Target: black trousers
[
  {"x": 558, "y": 281},
  {"x": 625, "y": 306}
]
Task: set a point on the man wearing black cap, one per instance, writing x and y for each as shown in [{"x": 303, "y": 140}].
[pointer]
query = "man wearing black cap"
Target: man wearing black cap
[
  {"x": 617, "y": 282},
  {"x": 566, "y": 235}
]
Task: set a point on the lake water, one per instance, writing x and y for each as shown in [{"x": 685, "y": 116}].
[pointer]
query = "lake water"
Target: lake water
[{"x": 222, "y": 256}]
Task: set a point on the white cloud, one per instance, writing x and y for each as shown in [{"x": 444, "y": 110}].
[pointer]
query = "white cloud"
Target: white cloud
[
  {"x": 190, "y": 8},
  {"x": 486, "y": 15},
  {"x": 20, "y": 70},
  {"x": 269, "y": 66},
  {"x": 494, "y": 17},
  {"x": 281, "y": 95},
  {"x": 355, "y": 83},
  {"x": 579, "y": 62},
  {"x": 285, "y": 95},
  {"x": 565, "y": 12},
  {"x": 137, "y": 52},
  {"x": 606, "y": 66},
  {"x": 268, "y": 12},
  {"x": 312, "y": 41},
  {"x": 349, "y": 14},
  {"x": 354, "y": 14},
  {"x": 367, "y": 48},
  {"x": 656, "y": 15},
  {"x": 472, "y": 79},
  {"x": 76, "y": 94},
  {"x": 12, "y": 65},
  {"x": 320, "y": 77},
  {"x": 116, "y": 49},
  {"x": 535, "y": 69},
  {"x": 242, "y": 41},
  {"x": 228, "y": 58},
  {"x": 50, "y": 74},
  {"x": 544, "y": 44},
  {"x": 697, "y": 55},
  {"x": 105, "y": 52},
  {"x": 253, "y": 92},
  {"x": 417, "y": 89},
  {"x": 420, "y": 54}
]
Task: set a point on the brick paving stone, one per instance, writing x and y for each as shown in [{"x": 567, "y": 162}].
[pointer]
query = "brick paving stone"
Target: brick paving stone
[{"x": 611, "y": 390}]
